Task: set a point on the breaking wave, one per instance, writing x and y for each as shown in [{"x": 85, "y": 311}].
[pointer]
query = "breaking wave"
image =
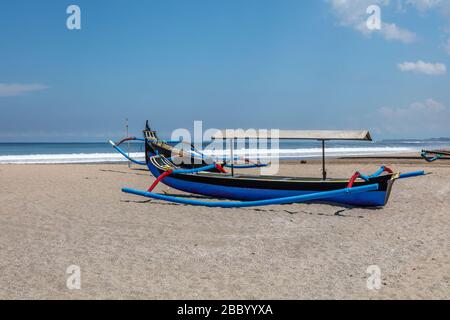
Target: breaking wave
[{"x": 301, "y": 153}]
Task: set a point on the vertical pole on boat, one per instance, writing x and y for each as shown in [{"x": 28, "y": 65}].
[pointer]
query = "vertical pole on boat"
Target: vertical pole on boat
[
  {"x": 324, "y": 171},
  {"x": 232, "y": 155},
  {"x": 128, "y": 142}
]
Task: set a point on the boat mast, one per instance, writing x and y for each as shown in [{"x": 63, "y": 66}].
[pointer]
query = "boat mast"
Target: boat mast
[{"x": 128, "y": 142}]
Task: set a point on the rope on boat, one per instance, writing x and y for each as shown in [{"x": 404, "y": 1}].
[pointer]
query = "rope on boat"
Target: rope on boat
[{"x": 257, "y": 203}]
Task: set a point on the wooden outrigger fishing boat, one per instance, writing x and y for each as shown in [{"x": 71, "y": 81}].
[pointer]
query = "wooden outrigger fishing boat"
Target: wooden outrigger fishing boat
[
  {"x": 434, "y": 155},
  {"x": 210, "y": 179}
]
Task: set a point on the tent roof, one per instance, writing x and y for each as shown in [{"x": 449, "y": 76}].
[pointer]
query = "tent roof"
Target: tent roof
[{"x": 294, "y": 134}]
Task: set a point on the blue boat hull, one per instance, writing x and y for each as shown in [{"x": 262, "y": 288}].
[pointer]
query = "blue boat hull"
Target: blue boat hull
[{"x": 248, "y": 189}]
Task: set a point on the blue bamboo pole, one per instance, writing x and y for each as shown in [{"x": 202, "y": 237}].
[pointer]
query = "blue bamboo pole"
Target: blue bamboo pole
[
  {"x": 125, "y": 155},
  {"x": 411, "y": 174},
  {"x": 242, "y": 204}
]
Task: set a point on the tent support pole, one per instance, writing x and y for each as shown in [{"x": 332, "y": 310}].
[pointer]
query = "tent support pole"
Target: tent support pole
[
  {"x": 324, "y": 171},
  {"x": 232, "y": 156}
]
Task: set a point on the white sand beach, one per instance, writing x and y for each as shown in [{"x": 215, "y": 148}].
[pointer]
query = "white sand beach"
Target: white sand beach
[{"x": 127, "y": 247}]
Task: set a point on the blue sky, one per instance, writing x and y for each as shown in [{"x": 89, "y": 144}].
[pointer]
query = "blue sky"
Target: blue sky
[{"x": 285, "y": 64}]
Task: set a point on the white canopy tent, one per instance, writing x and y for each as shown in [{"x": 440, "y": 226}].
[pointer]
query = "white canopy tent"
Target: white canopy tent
[
  {"x": 362, "y": 135},
  {"x": 319, "y": 135}
]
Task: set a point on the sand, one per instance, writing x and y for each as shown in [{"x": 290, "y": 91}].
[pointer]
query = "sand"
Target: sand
[{"x": 127, "y": 247}]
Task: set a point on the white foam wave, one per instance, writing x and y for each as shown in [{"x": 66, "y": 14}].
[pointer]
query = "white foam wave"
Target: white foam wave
[
  {"x": 68, "y": 158},
  {"x": 249, "y": 153},
  {"x": 308, "y": 152}
]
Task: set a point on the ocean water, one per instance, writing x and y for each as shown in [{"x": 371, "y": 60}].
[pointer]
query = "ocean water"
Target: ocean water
[{"x": 23, "y": 153}]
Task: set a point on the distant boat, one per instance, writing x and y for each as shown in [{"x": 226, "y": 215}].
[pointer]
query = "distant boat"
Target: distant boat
[{"x": 434, "y": 155}]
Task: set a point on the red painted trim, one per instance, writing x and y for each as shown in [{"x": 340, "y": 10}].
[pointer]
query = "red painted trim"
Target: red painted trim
[
  {"x": 353, "y": 179},
  {"x": 388, "y": 170},
  {"x": 162, "y": 176},
  {"x": 220, "y": 168}
]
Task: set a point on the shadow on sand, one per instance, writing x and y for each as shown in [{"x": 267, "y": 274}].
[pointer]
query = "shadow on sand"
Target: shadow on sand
[{"x": 341, "y": 213}]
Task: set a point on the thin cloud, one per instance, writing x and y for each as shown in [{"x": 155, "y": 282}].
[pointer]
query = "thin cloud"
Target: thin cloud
[
  {"x": 391, "y": 31},
  {"x": 432, "y": 69},
  {"x": 430, "y": 115},
  {"x": 425, "y": 5},
  {"x": 441, "y": 7},
  {"x": 425, "y": 107},
  {"x": 10, "y": 90},
  {"x": 447, "y": 46},
  {"x": 352, "y": 13}
]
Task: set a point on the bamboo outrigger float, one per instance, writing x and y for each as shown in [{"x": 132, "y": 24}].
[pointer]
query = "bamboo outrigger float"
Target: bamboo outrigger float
[{"x": 212, "y": 180}]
